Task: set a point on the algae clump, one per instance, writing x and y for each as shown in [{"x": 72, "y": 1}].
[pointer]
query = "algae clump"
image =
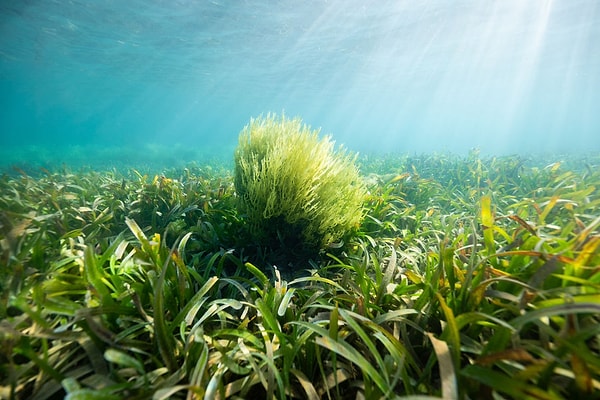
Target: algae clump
[{"x": 297, "y": 191}]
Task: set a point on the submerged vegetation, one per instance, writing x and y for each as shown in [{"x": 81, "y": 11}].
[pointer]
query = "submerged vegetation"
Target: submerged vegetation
[
  {"x": 297, "y": 192},
  {"x": 468, "y": 278}
]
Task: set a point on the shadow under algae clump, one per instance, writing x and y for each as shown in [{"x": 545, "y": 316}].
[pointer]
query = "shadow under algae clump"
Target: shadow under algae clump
[{"x": 298, "y": 192}]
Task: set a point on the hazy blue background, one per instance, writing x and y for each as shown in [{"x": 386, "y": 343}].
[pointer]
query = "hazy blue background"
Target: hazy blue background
[{"x": 131, "y": 78}]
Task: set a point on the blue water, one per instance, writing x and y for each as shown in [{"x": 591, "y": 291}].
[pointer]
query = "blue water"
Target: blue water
[{"x": 173, "y": 80}]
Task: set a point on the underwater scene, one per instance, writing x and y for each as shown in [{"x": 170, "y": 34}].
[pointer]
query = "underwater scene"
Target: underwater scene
[{"x": 276, "y": 199}]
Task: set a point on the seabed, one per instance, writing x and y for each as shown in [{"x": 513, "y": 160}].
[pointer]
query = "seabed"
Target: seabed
[{"x": 469, "y": 277}]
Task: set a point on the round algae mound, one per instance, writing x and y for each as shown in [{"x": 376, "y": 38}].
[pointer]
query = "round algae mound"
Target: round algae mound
[{"x": 296, "y": 189}]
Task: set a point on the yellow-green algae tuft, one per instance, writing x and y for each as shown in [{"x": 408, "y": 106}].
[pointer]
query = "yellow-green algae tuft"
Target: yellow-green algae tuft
[{"x": 294, "y": 185}]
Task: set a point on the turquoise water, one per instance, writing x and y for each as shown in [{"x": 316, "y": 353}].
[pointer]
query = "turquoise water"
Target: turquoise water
[{"x": 169, "y": 81}]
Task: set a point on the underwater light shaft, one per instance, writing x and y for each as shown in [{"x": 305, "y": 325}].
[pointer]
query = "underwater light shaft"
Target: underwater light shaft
[{"x": 502, "y": 76}]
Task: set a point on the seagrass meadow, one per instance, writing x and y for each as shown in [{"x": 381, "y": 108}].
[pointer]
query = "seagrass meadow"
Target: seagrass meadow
[{"x": 469, "y": 277}]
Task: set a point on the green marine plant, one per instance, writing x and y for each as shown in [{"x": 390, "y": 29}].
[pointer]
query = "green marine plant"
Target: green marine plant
[
  {"x": 298, "y": 192},
  {"x": 466, "y": 280}
]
